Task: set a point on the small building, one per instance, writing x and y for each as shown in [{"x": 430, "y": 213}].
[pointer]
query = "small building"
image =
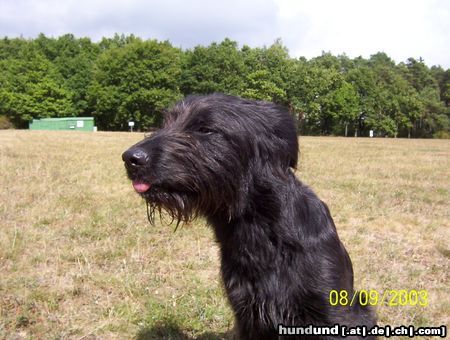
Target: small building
[{"x": 65, "y": 123}]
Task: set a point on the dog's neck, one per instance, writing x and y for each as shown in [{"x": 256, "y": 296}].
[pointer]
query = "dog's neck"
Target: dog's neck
[{"x": 259, "y": 206}]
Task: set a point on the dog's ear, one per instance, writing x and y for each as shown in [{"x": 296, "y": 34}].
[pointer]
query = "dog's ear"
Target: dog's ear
[
  {"x": 276, "y": 152},
  {"x": 287, "y": 132},
  {"x": 275, "y": 135},
  {"x": 285, "y": 148}
]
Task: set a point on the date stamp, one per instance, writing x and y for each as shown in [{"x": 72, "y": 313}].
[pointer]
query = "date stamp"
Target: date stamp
[{"x": 389, "y": 297}]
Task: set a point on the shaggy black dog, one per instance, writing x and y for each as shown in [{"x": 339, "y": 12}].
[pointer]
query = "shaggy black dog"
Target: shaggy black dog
[{"x": 231, "y": 160}]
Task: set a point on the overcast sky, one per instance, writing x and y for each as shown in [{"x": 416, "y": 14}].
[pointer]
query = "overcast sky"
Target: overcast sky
[{"x": 401, "y": 28}]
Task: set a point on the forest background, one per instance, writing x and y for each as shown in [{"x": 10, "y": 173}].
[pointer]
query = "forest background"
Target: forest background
[{"x": 126, "y": 78}]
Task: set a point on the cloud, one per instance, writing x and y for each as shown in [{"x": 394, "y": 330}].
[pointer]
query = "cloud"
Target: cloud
[
  {"x": 401, "y": 28},
  {"x": 185, "y": 23}
]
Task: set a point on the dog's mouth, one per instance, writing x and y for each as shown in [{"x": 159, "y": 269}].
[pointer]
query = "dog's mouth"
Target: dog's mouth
[
  {"x": 179, "y": 205},
  {"x": 141, "y": 187}
]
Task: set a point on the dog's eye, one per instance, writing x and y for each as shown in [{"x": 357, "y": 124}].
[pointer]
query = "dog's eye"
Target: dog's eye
[{"x": 205, "y": 131}]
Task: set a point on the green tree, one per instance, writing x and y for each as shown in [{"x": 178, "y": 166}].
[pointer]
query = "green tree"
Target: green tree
[
  {"x": 266, "y": 73},
  {"x": 74, "y": 60},
  {"x": 260, "y": 86},
  {"x": 344, "y": 108},
  {"x": 216, "y": 68},
  {"x": 135, "y": 82},
  {"x": 364, "y": 82},
  {"x": 31, "y": 87},
  {"x": 311, "y": 94}
]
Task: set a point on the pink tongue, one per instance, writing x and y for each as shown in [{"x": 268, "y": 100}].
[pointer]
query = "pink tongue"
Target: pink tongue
[{"x": 140, "y": 187}]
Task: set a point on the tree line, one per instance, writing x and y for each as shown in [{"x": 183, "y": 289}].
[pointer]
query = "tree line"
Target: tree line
[{"x": 125, "y": 78}]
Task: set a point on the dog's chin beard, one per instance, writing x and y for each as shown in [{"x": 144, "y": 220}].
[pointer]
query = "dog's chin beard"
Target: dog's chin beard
[{"x": 178, "y": 206}]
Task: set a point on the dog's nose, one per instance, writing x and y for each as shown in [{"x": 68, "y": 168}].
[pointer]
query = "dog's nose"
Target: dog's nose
[{"x": 135, "y": 157}]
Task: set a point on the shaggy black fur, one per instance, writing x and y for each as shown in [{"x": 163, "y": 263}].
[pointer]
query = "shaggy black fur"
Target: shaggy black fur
[{"x": 230, "y": 160}]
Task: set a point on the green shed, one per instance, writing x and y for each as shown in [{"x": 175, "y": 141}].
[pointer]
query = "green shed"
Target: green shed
[{"x": 66, "y": 123}]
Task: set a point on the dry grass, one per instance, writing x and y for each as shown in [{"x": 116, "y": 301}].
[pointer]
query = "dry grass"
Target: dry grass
[{"x": 79, "y": 260}]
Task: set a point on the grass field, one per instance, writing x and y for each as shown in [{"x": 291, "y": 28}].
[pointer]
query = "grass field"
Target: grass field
[{"x": 78, "y": 259}]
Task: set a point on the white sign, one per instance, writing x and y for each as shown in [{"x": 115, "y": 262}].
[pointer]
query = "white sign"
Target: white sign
[
  {"x": 130, "y": 124},
  {"x": 371, "y": 133},
  {"x": 80, "y": 123}
]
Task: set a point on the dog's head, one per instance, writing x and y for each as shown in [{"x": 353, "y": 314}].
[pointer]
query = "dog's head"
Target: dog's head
[{"x": 206, "y": 157}]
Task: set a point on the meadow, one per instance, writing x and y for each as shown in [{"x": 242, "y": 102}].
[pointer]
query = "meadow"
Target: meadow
[{"x": 79, "y": 260}]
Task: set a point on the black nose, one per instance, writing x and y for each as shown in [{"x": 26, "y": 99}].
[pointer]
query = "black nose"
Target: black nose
[{"x": 135, "y": 157}]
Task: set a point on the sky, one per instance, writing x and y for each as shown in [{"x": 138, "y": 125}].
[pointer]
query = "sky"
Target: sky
[{"x": 400, "y": 28}]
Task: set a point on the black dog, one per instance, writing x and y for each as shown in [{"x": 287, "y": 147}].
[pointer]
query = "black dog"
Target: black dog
[{"x": 230, "y": 160}]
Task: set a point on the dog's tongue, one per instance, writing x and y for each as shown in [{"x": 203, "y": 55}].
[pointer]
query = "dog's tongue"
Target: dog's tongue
[{"x": 140, "y": 187}]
